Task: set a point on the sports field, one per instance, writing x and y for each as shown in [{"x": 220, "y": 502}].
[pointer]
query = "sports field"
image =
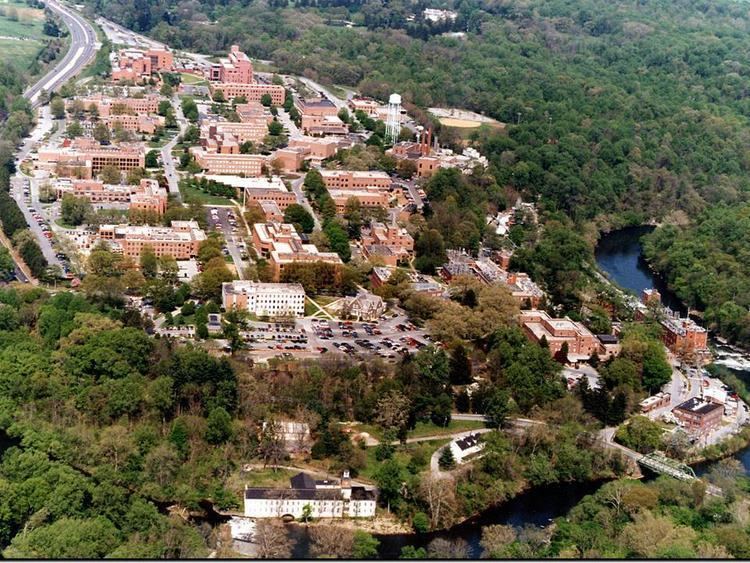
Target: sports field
[{"x": 459, "y": 123}]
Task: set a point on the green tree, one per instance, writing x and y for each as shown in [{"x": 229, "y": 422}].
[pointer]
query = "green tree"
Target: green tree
[
  {"x": 152, "y": 159},
  {"x": 57, "y": 107},
  {"x": 148, "y": 262},
  {"x": 101, "y": 132},
  {"x": 365, "y": 546},
  {"x": 446, "y": 460},
  {"x": 338, "y": 240},
  {"x": 218, "y": 426},
  {"x": 75, "y": 210},
  {"x": 299, "y": 216},
  {"x": 110, "y": 174}
]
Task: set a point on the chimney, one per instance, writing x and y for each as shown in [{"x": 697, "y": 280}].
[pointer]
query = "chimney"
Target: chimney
[{"x": 346, "y": 485}]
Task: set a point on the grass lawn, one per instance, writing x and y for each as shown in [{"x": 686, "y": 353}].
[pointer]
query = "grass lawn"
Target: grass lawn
[
  {"x": 424, "y": 429},
  {"x": 192, "y": 80},
  {"x": 190, "y": 193},
  {"x": 404, "y": 454},
  {"x": 21, "y": 33},
  {"x": 259, "y": 478}
]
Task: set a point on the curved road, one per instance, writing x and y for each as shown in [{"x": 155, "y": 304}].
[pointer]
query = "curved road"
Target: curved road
[{"x": 82, "y": 49}]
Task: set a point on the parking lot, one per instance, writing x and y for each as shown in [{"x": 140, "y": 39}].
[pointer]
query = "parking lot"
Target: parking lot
[
  {"x": 388, "y": 338},
  {"x": 39, "y": 225}
]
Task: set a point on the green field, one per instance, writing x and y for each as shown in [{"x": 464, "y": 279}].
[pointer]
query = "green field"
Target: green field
[
  {"x": 191, "y": 193},
  {"x": 21, "y": 33},
  {"x": 192, "y": 80}
]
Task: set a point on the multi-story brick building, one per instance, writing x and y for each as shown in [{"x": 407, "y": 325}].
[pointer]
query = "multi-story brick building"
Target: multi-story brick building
[
  {"x": 251, "y": 92},
  {"x": 213, "y": 163},
  {"x": 264, "y": 299},
  {"x": 89, "y": 156},
  {"x": 315, "y": 106},
  {"x": 271, "y": 210},
  {"x": 322, "y": 125},
  {"x": 395, "y": 238},
  {"x": 107, "y": 105},
  {"x": 538, "y": 326},
  {"x": 140, "y": 123},
  {"x": 355, "y": 179},
  {"x": 235, "y": 68},
  {"x": 281, "y": 245},
  {"x": 181, "y": 240},
  {"x": 253, "y": 131},
  {"x": 318, "y": 148},
  {"x": 680, "y": 336},
  {"x": 371, "y": 107},
  {"x": 137, "y": 65},
  {"x": 698, "y": 416},
  {"x": 252, "y": 111},
  {"x": 147, "y": 196},
  {"x": 367, "y": 197}
]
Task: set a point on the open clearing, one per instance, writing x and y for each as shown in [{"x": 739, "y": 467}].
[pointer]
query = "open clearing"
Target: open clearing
[
  {"x": 191, "y": 79},
  {"x": 463, "y": 119},
  {"x": 460, "y": 123},
  {"x": 21, "y": 33}
]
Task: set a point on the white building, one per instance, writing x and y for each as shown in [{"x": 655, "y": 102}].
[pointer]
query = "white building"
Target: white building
[
  {"x": 265, "y": 299},
  {"x": 326, "y": 499},
  {"x": 466, "y": 447}
]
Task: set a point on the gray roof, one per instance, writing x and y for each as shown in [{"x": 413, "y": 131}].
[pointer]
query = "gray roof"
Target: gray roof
[
  {"x": 302, "y": 481},
  {"x": 294, "y": 494},
  {"x": 468, "y": 442},
  {"x": 696, "y": 405}
]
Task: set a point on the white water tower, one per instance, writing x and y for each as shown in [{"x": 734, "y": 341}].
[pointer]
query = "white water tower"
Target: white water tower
[{"x": 393, "y": 119}]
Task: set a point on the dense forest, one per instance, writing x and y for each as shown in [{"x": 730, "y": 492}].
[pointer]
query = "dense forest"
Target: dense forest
[
  {"x": 614, "y": 108},
  {"x": 708, "y": 265}
]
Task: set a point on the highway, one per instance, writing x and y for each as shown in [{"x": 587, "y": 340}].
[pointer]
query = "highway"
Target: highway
[{"x": 82, "y": 49}]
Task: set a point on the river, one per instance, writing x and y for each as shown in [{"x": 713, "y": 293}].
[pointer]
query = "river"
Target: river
[
  {"x": 619, "y": 256},
  {"x": 537, "y": 507}
]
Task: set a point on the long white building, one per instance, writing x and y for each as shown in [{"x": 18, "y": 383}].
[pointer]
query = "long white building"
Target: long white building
[
  {"x": 326, "y": 499},
  {"x": 265, "y": 299}
]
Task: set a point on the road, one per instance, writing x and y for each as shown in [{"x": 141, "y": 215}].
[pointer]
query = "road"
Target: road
[
  {"x": 289, "y": 125},
  {"x": 303, "y": 201},
  {"x": 338, "y": 102},
  {"x": 170, "y": 170},
  {"x": 83, "y": 46},
  {"x": 230, "y": 235}
]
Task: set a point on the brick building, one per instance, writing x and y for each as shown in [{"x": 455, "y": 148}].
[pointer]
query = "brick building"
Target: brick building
[
  {"x": 136, "y": 65},
  {"x": 180, "y": 241},
  {"x": 213, "y": 163},
  {"x": 367, "y": 197},
  {"x": 251, "y": 92},
  {"x": 85, "y": 157},
  {"x": 107, "y": 105},
  {"x": 281, "y": 245},
  {"x": 538, "y": 325},
  {"x": 235, "y": 68},
  {"x": 355, "y": 179},
  {"x": 698, "y": 416}
]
